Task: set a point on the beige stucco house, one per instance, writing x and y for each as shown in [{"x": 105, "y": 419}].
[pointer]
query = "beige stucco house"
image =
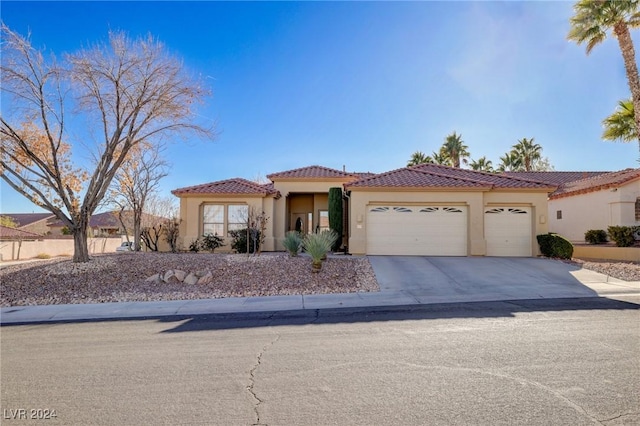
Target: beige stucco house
[
  {"x": 36, "y": 223},
  {"x": 590, "y": 200},
  {"x": 611, "y": 199},
  {"x": 422, "y": 210}
]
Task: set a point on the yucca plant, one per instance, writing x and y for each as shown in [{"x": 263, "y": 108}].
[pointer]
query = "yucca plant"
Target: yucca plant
[
  {"x": 317, "y": 246},
  {"x": 292, "y": 242}
]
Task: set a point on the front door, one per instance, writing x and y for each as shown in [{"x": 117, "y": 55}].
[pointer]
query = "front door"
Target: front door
[{"x": 299, "y": 222}]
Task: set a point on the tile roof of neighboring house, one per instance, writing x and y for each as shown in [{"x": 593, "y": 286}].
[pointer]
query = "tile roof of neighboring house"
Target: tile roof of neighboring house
[
  {"x": 437, "y": 176},
  {"x": 597, "y": 183},
  {"x": 229, "y": 186},
  {"x": 99, "y": 220},
  {"x": 7, "y": 233},
  {"x": 312, "y": 172},
  {"x": 556, "y": 178},
  {"x": 24, "y": 219}
]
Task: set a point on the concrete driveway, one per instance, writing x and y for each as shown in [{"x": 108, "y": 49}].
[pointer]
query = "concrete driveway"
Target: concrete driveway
[{"x": 452, "y": 279}]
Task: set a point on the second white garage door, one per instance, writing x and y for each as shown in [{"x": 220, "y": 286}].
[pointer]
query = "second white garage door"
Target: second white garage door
[
  {"x": 417, "y": 230},
  {"x": 507, "y": 231}
]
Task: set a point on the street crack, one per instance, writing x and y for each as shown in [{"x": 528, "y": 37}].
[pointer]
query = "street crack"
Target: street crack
[
  {"x": 605, "y": 421},
  {"x": 252, "y": 382}
]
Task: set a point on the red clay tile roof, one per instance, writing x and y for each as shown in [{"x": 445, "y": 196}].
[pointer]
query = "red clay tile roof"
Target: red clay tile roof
[
  {"x": 312, "y": 172},
  {"x": 229, "y": 186},
  {"x": 98, "y": 220},
  {"x": 24, "y": 219},
  {"x": 556, "y": 178},
  {"x": 597, "y": 183},
  {"x": 7, "y": 233},
  {"x": 437, "y": 176}
]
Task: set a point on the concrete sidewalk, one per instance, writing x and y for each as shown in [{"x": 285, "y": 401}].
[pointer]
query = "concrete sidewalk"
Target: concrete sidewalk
[{"x": 593, "y": 284}]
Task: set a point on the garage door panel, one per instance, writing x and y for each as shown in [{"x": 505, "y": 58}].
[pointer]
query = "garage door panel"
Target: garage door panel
[
  {"x": 508, "y": 231},
  {"x": 417, "y": 230}
]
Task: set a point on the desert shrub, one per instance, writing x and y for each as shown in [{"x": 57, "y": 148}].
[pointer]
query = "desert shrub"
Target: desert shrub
[
  {"x": 239, "y": 240},
  {"x": 292, "y": 243},
  {"x": 554, "y": 245},
  {"x": 211, "y": 242},
  {"x": 43, "y": 256},
  {"x": 195, "y": 245},
  {"x": 595, "y": 236},
  {"x": 318, "y": 245},
  {"x": 622, "y": 235}
]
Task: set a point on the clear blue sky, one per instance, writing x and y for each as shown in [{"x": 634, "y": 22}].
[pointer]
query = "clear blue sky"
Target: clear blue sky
[{"x": 362, "y": 84}]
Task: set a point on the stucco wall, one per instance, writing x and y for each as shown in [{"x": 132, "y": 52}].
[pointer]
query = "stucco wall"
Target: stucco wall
[
  {"x": 191, "y": 217},
  {"x": 40, "y": 227},
  {"x": 594, "y": 210},
  {"x": 476, "y": 202},
  {"x": 16, "y": 250},
  {"x": 320, "y": 189}
]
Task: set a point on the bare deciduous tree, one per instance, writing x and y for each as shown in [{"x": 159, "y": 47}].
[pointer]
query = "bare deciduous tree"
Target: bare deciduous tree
[
  {"x": 158, "y": 210},
  {"x": 135, "y": 92},
  {"x": 136, "y": 181}
]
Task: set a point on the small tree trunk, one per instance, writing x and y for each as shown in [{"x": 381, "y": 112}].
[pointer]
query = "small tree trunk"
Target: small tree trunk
[
  {"x": 81, "y": 249},
  {"x": 137, "y": 231}
]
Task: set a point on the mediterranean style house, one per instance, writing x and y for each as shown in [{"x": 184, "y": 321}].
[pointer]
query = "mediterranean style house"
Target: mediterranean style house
[
  {"x": 590, "y": 200},
  {"x": 421, "y": 210}
]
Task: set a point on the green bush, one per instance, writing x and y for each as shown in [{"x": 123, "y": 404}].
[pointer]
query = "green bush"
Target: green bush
[
  {"x": 211, "y": 242},
  {"x": 554, "y": 245},
  {"x": 622, "y": 235},
  {"x": 292, "y": 243},
  {"x": 595, "y": 236},
  {"x": 195, "y": 245},
  {"x": 239, "y": 240}
]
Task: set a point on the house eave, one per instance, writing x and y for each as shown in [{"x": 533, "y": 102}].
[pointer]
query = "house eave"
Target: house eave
[
  {"x": 416, "y": 189},
  {"x": 222, "y": 195}
]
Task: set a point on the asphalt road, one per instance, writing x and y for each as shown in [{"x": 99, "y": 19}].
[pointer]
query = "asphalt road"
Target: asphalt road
[{"x": 545, "y": 362}]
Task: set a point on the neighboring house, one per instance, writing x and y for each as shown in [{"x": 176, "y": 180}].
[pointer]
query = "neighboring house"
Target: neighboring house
[
  {"x": 590, "y": 200},
  {"x": 421, "y": 210},
  {"x": 611, "y": 199},
  {"x": 7, "y": 233},
  {"x": 101, "y": 225},
  {"x": 37, "y": 223}
]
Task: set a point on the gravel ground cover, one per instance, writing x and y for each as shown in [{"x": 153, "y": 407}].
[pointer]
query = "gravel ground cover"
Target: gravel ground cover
[
  {"x": 626, "y": 271},
  {"x": 123, "y": 277}
]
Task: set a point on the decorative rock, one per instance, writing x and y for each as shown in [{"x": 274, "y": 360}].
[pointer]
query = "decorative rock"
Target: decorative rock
[
  {"x": 180, "y": 275},
  {"x": 170, "y": 277},
  {"x": 206, "y": 278},
  {"x": 191, "y": 279},
  {"x": 154, "y": 278}
]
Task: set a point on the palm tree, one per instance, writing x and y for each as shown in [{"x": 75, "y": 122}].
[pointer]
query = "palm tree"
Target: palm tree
[
  {"x": 510, "y": 162},
  {"x": 455, "y": 149},
  {"x": 620, "y": 126},
  {"x": 482, "y": 165},
  {"x": 527, "y": 152},
  {"x": 419, "y": 157},
  {"x": 590, "y": 24},
  {"x": 440, "y": 157}
]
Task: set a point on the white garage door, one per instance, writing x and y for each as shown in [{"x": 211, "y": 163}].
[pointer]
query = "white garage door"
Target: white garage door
[
  {"x": 417, "y": 230},
  {"x": 507, "y": 231}
]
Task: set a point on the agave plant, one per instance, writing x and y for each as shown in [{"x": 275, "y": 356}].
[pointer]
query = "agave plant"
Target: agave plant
[
  {"x": 292, "y": 242},
  {"x": 317, "y": 246}
]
